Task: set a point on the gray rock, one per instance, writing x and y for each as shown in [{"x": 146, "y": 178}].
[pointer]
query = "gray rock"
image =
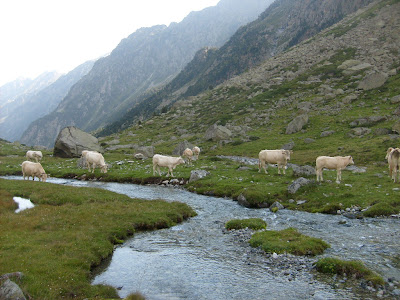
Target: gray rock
[
  {"x": 243, "y": 201},
  {"x": 359, "y": 131},
  {"x": 327, "y": 133},
  {"x": 300, "y": 171},
  {"x": 367, "y": 121},
  {"x": 9, "y": 290},
  {"x": 298, "y": 183},
  {"x": 382, "y": 131},
  {"x": 147, "y": 151},
  {"x": 198, "y": 174},
  {"x": 288, "y": 146},
  {"x": 181, "y": 147},
  {"x": 217, "y": 133},
  {"x": 71, "y": 141},
  {"x": 277, "y": 205},
  {"x": 373, "y": 81},
  {"x": 139, "y": 156},
  {"x": 395, "y": 99},
  {"x": 297, "y": 124},
  {"x": 309, "y": 140}
]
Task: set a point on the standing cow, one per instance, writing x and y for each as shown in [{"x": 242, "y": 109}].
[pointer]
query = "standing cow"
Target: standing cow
[
  {"x": 33, "y": 169},
  {"x": 166, "y": 161},
  {"x": 279, "y": 157},
  {"x": 94, "y": 159},
  {"x": 337, "y": 163},
  {"x": 34, "y": 155},
  {"x": 393, "y": 158}
]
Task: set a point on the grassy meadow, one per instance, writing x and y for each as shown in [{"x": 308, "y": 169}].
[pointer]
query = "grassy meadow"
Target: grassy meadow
[{"x": 69, "y": 232}]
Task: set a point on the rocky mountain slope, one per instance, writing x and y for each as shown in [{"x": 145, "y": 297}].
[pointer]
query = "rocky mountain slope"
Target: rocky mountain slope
[
  {"x": 335, "y": 93},
  {"x": 36, "y": 103},
  {"x": 284, "y": 24},
  {"x": 147, "y": 58}
]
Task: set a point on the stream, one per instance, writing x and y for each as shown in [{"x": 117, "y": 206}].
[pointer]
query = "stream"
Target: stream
[{"x": 199, "y": 259}]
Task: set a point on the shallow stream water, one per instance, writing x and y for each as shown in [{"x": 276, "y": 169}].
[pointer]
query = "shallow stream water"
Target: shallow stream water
[{"x": 198, "y": 259}]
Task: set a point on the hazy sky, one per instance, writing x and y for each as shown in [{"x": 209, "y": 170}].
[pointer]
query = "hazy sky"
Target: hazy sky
[{"x": 46, "y": 35}]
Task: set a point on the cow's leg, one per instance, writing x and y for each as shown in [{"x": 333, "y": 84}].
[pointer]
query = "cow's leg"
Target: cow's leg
[
  {"x": 338, "y": 175},
  {"x": 93, "y": 167}
]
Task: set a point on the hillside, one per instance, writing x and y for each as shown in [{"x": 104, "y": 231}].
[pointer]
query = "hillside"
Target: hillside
[
  {"x": 30, "y": 106},
  {"x": 146, "y": 59},
  {"x": 282, "y": 25},
  {"x": 344, "y": 81}
]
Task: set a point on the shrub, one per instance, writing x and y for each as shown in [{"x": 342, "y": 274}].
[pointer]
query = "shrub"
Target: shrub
[
  {"x": 252, "y": 223},
  {"x": 288, "y": 240},
  {"x": 351, "y": 268}
]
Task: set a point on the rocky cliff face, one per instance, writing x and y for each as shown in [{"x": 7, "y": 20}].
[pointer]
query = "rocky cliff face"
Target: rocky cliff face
[
  {"x": 284, "y": 24},
  {"x": 147, "y": 58},
  {"x": 28, "y": 107}
]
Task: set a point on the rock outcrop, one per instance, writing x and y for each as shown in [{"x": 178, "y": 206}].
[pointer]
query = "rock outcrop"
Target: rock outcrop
[{"x": 71, "y": 141}]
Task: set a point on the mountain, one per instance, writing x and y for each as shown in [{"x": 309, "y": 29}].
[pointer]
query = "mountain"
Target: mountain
[
  {"x": 336, "y": 93},
  {"x": 283, "y": 24},
  {"x": 146, "y": 59},
  {"x": 35, "y": 103},
  {"x": 22, "y": 86}
]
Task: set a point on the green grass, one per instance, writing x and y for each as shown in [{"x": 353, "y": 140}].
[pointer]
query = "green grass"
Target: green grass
[
  {"x": 352, "y": 268},
  {"x": 288, "y": 241},
  {"x": 69, "y": 231},
  {"x": 252, "y": 223}
]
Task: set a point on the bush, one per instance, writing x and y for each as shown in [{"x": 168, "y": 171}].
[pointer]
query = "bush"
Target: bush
[
  {"x": 288, "y": 240},
  {"x": 252, "y": 223},
  {"x": 350, "y": 268}
]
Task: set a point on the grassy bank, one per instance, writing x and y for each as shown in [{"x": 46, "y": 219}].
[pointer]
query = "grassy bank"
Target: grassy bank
[
  {"x": 69, "y": 231},
  {"x": 372, "y": 190}
]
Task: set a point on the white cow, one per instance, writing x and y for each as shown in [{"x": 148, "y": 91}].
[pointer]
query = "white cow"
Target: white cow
[
  {"x": 33, "y": 169},
  {"x": 279, "y": 157},
  {"x": 196, "y": 152},
  {"x": 95, "y": 159},
  {"x": 336, "y": 162},
  {"x": 166, "y": 161},
  {"x": 189, "y": 155},
  {"x": 393, "y": 158},
  {"x": 34, "y": 155}
]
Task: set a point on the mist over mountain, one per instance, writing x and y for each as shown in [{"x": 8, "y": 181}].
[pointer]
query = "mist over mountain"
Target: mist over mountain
[
  {"x": 146, "y": 59},
  {"x": 35, "y": 99}
]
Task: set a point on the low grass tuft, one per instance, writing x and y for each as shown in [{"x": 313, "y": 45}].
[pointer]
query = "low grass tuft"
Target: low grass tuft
[
  {"x": 348, "y": 268},
  {"x": 380, "y": 209},
  {"x": 252, "y": 223},
  {"x": 288, "y": 240}
]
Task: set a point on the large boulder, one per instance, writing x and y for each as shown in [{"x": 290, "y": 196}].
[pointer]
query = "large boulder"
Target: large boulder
[
  {"x": 218, "y": 133},
  {"x": 297, "y": 124},
  {"x": 373, "y": 81},
  {"x": 71, "y": 141}
]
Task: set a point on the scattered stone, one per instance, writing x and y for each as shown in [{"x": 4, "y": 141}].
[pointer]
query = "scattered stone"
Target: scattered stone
[
  {"x": 198, "y": 174},
  {"x": 139, "y": 156},
  {"x": 288, "y": 146},
  {"x": 297, "y": 124},
  {"x": 181, "y": 147},
  {"x": 306, "y": 170},
  {"x": 327, "y": 133},
  {"x": 373, "y": 81},
  {"x": 243, "y": 201},
  {"x": 298, "y": 183},
  {"x": 277, "y": 205},
  {"x": 309, "y": 140},
  {"x": 217, "y": 133},
  {"x": 11, "y": 291}
]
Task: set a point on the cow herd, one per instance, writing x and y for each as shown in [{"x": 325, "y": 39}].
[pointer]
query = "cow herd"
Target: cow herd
[{"x": 280, "y": 157}]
